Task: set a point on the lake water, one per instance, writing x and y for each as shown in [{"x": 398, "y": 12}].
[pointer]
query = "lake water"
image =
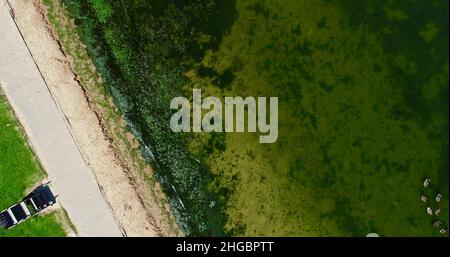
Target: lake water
[{"x": 363, "y": 104}]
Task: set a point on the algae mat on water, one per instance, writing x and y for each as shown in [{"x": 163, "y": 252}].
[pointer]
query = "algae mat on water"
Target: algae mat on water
[{"x": 363, "y": 103}]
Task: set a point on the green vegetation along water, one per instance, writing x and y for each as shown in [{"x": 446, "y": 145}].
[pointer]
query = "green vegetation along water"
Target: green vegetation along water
[
  {"x": 18, "y": 172},
  {"x": 363, "y": 105}
]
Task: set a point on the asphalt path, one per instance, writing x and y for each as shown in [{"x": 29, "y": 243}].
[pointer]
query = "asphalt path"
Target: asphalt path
[{"x": 50, "y": 135}]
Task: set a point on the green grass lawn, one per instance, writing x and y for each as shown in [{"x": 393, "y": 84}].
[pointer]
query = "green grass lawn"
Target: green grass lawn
[{"x": 19, "y": 171}]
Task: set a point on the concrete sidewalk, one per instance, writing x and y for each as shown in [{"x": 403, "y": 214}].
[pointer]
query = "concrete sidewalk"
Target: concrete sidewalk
[{"x": 50, "y": 136}]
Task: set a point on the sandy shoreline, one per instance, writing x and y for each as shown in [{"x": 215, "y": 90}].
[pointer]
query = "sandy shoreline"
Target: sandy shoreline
[{"x": 122, "y": 189}]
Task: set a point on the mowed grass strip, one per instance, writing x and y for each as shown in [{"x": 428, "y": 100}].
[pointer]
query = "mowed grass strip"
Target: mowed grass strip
[{"x": 19, "y": 171}]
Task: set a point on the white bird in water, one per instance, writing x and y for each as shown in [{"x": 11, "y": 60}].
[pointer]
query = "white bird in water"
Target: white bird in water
[
  {"x": 437, "y": 223},
  {"x": 429, "y": 211},
  {"x": 438, "y": 198},
  {"x": 426, "y": 183},
  {"x": 437, "y": 212},
  {"x": 424, "y": 199}
]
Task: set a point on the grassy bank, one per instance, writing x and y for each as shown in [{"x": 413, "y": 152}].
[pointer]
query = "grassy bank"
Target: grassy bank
[
  {"x": 126, "y": 146},
  {"x": 124, "y": 68},
  {"x": 19, "y": 172}
]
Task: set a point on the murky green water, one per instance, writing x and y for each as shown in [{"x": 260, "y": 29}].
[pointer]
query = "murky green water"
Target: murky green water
[{"x": 363, "y": 99}]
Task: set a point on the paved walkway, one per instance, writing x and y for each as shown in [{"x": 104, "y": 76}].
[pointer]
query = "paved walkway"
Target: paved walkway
[{"x": 50, "y": 136}]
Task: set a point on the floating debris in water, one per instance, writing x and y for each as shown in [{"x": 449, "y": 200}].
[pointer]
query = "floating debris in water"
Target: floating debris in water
[
  {"x": 178, "y": 197},
  {"x": 444, "y": 230},
  {"x": 149, "y": 153}
]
